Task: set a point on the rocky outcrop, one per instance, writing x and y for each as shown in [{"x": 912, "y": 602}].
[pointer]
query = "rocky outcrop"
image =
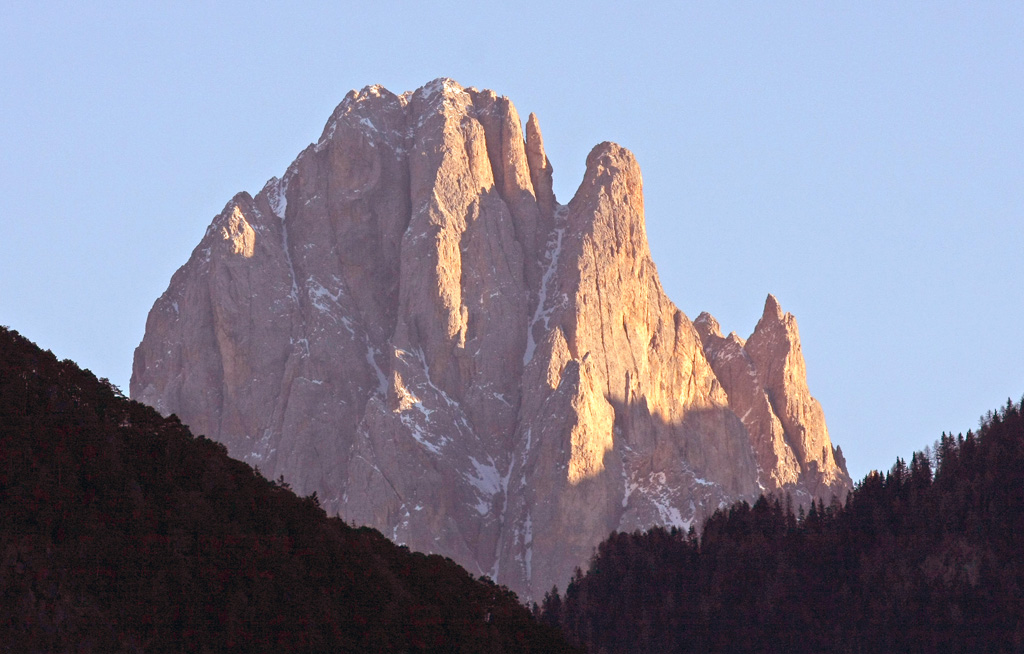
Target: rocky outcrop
[
  {"x": 409, "y": 324},
  {"x": 766, "y": 379}
]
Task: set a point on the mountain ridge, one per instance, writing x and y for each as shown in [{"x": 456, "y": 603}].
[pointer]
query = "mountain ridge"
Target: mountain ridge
[{"x": 410, "y": 324}]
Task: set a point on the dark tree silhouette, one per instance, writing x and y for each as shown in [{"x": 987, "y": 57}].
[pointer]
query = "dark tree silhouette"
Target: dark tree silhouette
[
  {"x": 122, "y": 532},
  {"x": 915, "y": 560}
]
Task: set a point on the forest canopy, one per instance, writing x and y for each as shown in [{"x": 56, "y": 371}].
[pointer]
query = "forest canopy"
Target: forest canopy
[
  {"x": 923, "y": 558},
  {"x": 121, "y": 531}
]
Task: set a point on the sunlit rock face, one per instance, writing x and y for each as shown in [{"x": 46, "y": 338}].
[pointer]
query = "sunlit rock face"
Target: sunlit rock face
[
  {"x": 409, "y": 324},
  {"x": 766, "y": 379}
]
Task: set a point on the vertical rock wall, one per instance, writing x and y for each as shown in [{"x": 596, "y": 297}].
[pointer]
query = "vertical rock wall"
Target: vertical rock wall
[{"x": 409, "y": 324}]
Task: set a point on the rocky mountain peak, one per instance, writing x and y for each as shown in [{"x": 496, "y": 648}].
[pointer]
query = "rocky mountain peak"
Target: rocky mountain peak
[
  {"x": 409, "y": 324},
  {"x": 766, "y": 380},
  {"x": 540, "y": 168},
  {"x": 773, "y": 310},
  {"x": 707, "y": 326}
]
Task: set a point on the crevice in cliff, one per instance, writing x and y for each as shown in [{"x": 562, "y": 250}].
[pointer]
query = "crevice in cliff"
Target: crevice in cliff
[
  {"x": 552, "y": 253},
  {"x": 604, "y": 346},
  {"x": 285, "y": 245}
]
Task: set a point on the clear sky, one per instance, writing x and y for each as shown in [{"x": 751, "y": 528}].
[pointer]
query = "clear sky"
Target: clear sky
[{"x": 862, "y": 161}]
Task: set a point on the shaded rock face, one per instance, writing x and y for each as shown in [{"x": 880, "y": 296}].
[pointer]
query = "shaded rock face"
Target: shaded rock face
[{"x": 409, "y": 324}]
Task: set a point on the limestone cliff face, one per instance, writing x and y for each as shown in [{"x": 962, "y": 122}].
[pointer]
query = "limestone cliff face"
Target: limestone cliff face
[{"x": 408, "y": 323}]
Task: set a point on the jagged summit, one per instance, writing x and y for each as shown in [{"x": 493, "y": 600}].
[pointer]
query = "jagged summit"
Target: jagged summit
[
  {"x": 766, "y": 380},
  {"x": 772, "y": 309},
  {"x": 705, "y": 322},
  {"x": 408, "y": 323}
]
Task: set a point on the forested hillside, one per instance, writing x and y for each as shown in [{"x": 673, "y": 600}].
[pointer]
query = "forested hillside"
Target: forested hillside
[
  {"x": 122, "y": 532},
  {"x": 925, "y": 558}
]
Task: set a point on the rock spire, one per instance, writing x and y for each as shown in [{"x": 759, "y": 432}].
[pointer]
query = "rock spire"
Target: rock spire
[{"x": 408, "y": 323}]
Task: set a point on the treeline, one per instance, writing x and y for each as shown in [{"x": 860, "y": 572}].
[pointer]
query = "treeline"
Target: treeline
[
  {"x": 122, "y": 532},
  {"x": 928, "y": 557}
]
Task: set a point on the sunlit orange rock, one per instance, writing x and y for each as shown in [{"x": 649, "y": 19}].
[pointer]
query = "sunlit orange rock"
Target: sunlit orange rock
[{"x": 410, "y": 325}]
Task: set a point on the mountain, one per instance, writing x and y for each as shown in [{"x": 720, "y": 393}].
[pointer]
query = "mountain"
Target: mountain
[
  {"x": 924, "y": 558},
  {"x": 121, "y": 532},
  {"x": 409, "y": 324}
]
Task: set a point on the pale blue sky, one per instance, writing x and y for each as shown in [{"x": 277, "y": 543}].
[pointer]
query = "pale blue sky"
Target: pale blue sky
[{"x": 862, "y": 161}]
